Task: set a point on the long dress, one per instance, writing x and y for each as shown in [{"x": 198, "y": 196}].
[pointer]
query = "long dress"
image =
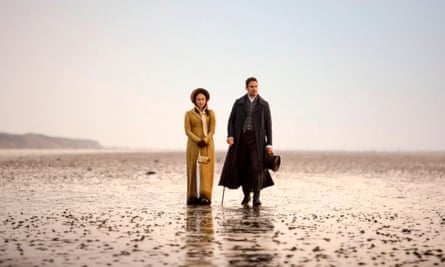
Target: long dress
[{"x": 195, "y": 131}]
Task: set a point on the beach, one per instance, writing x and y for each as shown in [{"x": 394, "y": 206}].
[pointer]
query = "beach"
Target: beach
[{"x": 117, "y": 208}]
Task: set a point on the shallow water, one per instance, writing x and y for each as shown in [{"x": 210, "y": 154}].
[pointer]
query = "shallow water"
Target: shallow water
[{"x": 118, "y": 208}]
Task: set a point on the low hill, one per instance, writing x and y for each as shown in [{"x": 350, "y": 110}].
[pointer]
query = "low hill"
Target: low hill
[{"x": 37, "y": 141}]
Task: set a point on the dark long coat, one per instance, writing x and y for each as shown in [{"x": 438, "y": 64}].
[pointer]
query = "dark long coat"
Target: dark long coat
[{"x": 263, "y": 131}]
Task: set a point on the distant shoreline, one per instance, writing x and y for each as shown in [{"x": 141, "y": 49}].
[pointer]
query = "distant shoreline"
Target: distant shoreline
[
  {"x": 40, "y": 141},
  {"x": 105, "y": 150}
]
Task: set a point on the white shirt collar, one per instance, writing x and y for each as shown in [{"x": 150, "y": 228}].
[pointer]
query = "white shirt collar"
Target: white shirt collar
[{"x": 252, "y": 98}]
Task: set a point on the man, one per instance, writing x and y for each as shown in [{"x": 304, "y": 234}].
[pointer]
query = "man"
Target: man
[{"x": 249, "y": 137}]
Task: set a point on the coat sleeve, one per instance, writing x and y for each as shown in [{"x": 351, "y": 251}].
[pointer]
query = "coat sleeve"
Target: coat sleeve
[
  {"x": 268, "y": 125},
  {"x": 188, "y": 129},
  {"x": 212, "y": 126},
  {"x": 231, "y": 123}
]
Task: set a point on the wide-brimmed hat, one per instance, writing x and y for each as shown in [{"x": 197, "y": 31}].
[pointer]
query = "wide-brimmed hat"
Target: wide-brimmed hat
[
  {"x": 199, "y": 91},
  {"x": 272, "y": 162}
]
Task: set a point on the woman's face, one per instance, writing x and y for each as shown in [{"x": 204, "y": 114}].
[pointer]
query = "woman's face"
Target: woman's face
[{"x": 200, "y": 100}]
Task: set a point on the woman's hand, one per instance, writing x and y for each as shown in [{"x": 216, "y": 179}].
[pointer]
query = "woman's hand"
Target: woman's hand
[{"x": 230, "y": 141}]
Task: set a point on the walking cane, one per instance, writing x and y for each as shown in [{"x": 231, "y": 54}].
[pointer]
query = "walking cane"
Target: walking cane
[{"x": 222, "y": 200}]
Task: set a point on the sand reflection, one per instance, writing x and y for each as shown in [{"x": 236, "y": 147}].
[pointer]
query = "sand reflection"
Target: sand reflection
[{"x": 103, "y": 209}]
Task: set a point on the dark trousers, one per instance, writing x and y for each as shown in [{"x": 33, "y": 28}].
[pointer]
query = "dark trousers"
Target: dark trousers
[{"x": 249, "y": 162}]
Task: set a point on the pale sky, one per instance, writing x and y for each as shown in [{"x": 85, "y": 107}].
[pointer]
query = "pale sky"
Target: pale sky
[{"x": 339, "y": 75}]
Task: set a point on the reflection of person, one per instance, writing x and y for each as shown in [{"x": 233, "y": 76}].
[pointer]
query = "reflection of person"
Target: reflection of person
[
  {"x": 255, "y": 228},
  {"x": 249, "y": 137},
  {"x": 199, "y": 236},
  {"x": 200, "y": 127}
]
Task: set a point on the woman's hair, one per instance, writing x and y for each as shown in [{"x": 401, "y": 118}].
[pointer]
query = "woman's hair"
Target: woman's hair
[
  {"x": 250, "y": 79},
  {"x": 198, "y": 91}
]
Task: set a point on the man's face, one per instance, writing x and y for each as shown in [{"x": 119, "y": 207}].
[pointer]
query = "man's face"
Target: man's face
[{"x": 252, "y": 88}]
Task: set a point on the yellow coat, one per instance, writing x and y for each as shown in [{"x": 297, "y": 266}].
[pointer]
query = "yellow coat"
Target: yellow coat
[{"x": 195, "y": 133}]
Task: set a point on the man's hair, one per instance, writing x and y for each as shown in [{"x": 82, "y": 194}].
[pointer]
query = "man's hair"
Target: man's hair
[{"x": 250, "y": 79}]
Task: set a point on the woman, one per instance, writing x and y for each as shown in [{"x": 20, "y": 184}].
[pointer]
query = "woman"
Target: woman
[{"x": 200, "y": 127}]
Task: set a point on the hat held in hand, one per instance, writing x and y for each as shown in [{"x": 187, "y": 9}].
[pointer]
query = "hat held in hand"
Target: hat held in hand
[{"x": 272, "y": 162}]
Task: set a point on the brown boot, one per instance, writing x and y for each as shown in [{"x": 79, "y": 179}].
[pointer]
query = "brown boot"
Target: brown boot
[
  {"x": 246, "y": 200},
  {"x": 193, "y": 201}
]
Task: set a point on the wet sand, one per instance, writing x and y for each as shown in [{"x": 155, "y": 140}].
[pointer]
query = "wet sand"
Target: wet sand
[{"x": 119, "y": 208}]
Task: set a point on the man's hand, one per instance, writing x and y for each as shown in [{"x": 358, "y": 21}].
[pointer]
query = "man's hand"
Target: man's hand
[{"x": 269, "y": 150}]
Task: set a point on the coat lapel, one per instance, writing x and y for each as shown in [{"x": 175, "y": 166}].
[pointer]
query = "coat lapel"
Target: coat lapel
[
  {"x": 258, "y": 104},
  {"x": 245, "y": 103}
]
